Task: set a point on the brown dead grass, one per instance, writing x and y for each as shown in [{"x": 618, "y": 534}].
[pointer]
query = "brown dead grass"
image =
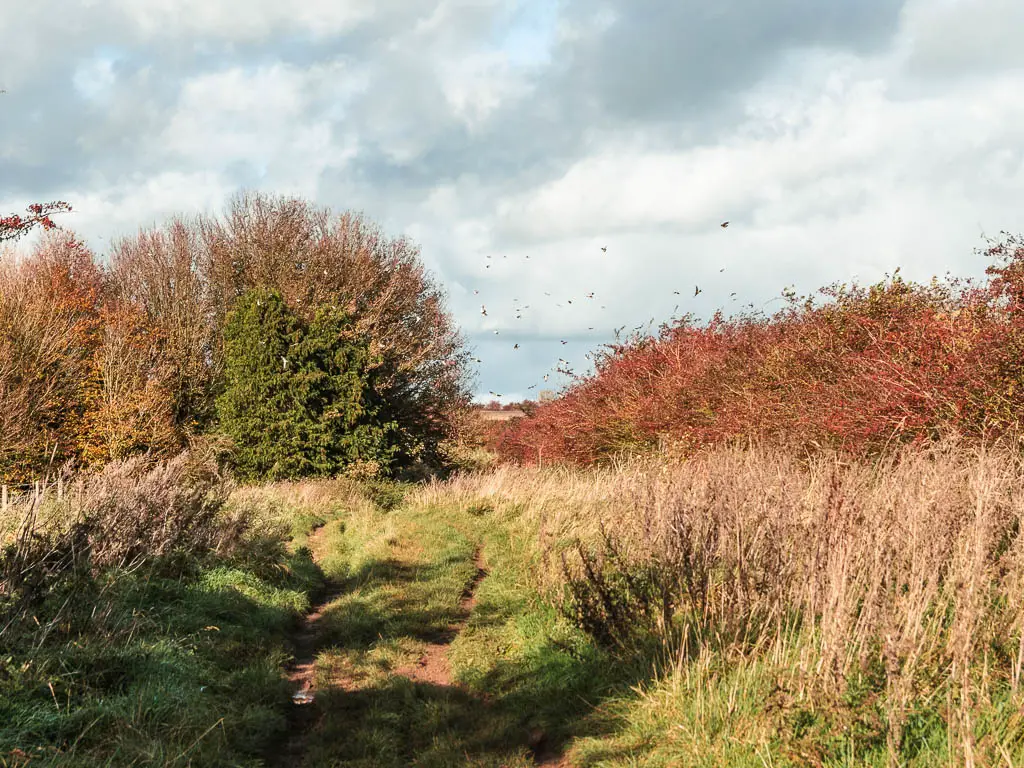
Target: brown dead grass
[{"x": 913, "y": 563}]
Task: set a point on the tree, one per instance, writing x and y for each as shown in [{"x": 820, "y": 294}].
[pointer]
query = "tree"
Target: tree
[
  {"x": 264, "y": 406},
  {"x": 14, "y": 226},
  {"x": 343, "y": 380},
  {"x": 162, "y": 272},
  {"x": 298, "y": 400},
  {"x": 132, "y": 411},
  {"x": 49, "y": 329},
  {"x": 315, "y": 259}
]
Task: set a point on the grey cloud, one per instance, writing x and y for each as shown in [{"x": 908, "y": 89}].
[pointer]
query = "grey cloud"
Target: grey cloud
[
  {"x": 672, "y": 68},
  {"x": 659, "y": 61},
  {"x": 660, "y": 76},
  {"x": 966, "y": 39},
  {"x": 667, "y": 60}
]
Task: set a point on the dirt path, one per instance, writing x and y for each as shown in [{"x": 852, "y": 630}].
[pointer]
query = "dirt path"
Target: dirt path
[
  {"x": 301, "y": 673},
  {"x": 346, "y": 640},
  {"x": 432, "y": 667}
]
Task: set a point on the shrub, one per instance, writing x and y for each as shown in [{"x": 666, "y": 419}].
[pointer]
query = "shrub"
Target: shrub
[
  {"x": 132, "y": 513},
  {"x": 894, "y": 362},
  {"x": 315, "y": 260},
  {"x": 137, "y": 510}
]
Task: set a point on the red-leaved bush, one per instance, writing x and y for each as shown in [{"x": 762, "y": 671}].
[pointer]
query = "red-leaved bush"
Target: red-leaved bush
[{"x": 895, "y": 362}]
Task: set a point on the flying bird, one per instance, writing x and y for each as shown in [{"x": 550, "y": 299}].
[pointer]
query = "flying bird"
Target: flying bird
[
  {"x": 515, "y": 346},
  {"x": 697, "y": 291},
  {"x": 532, "y": 387},
  {"x": 676, "y": 292},
  {"x": 475, "y": 292},
  {"x": 563, "y": 341},
  {"x": 604, "y": 249},
  {"x": 725, "y": 224},
  {"x": 483, "y": 310}
]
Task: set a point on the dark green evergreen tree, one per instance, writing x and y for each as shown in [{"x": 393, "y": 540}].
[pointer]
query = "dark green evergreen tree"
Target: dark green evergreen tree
[
  {"x": 299, "y": 401},
  {"x": 343, "y": 393},
  {"x": 263, "y": 407}
]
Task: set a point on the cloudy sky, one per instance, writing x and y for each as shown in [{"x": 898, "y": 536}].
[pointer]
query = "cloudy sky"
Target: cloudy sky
[{"x": 840, "y": 139}]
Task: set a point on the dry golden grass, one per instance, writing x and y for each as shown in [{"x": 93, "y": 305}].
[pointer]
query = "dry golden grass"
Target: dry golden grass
[{"x": 911, "y": 564}]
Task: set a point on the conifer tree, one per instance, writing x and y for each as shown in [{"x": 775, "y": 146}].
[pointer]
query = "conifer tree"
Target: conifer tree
[
  {"x": 264, "y": 407},
  {"x": 299, "y": 401},
  {"x": 343, "y": 393}
]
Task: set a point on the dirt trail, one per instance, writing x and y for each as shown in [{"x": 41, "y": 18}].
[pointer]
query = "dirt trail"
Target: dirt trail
[
  {"x": 301, "y": 673},
  {"x": 432, "y": 666}
]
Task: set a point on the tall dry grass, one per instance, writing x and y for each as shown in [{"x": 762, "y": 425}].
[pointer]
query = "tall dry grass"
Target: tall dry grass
[
  {"x": 908, "y": 569},
  {"x": 129, "y": 514}
]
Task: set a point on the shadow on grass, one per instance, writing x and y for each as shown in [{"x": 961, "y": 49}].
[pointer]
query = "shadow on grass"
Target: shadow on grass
[
  {"x": 387, "y": 599},
  {"x": 514, "y": 710},
  {"x": 155, "y": 669},
  {"x": 400, "y": 722}
]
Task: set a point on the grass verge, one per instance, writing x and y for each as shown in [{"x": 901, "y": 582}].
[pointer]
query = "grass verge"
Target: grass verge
[{"x": 176, "y": 660}]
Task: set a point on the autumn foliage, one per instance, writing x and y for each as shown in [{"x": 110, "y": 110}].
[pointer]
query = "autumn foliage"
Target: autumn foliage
[
  {"x": 891, "y": 363},
  {"x": 102, "y": 361}
]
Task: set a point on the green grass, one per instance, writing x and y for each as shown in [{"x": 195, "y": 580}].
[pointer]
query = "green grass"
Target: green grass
[
  {"x": 176, "y": 664},
  {"x": 524, "y": 678},
  {"x": 154, "y": 670},
  {"x": 529, "y": 683},
  {"x": 185, "y": 672}
]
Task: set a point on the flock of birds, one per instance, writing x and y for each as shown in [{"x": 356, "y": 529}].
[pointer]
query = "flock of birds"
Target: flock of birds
[{"x": 563, "y": 365}]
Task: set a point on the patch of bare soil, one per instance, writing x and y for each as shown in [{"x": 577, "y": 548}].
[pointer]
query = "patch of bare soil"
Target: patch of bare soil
[
  {"x": 301, "y": 676},
  {"x": 432, "y": 667}
]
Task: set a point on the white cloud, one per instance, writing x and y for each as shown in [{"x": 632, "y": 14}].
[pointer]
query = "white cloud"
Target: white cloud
[
  {"x": 272, "y": 118},
  {"x": 242, "y": 20},
  {"x": 455, "y": 123},
  {"x": 955, "y": 38}
]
